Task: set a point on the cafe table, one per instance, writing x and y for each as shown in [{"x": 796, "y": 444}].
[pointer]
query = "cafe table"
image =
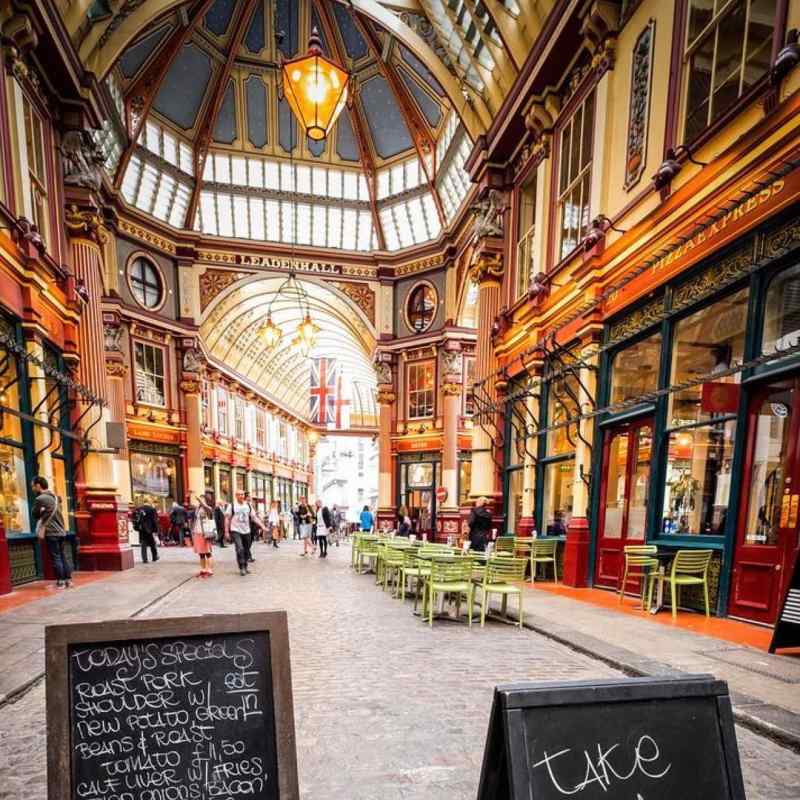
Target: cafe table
[{"x": 665, "y": 556}]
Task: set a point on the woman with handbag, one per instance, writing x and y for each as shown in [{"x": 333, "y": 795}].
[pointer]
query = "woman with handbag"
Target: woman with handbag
[{"x": 204, "y": 532}]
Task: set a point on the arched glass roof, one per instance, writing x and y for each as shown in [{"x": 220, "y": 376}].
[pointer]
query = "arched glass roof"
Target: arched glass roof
[{"x": 217, "y": 150}]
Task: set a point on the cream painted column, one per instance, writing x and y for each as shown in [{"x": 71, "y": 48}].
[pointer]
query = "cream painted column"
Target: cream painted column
[
  {"x": 527, "y": 523},
  {"x": 190, "y": 387},
  {"x": 452, "y": 369},
  {"x": 488, "y": 275},
  {"x": 116, "y": 371},
  {"x": 386, "y": 397}
]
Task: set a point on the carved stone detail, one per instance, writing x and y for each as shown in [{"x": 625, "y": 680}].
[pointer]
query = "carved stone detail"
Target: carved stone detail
[
  {"x": 192, "y": 361},
  {"x": 383, "y": 371},
  {"x": 385, "y": 397},
  {"x": 83, "y": 224},
  {"x": 488, "y": 215},
  {"x": 451, "y": 388},
  {"x": 190, "y": 386},
  {"x": 112, "y": 335},
  {"x": 639, "y": 111},
  {"x": 361, "y": 295},
  {"x": 488, "y": 269},
  {"x": 214, "y": 281},
  {"x": 116, "y": 369},
  {"x": 81, "y": 160},
  {"x": 452, "y": 362}
]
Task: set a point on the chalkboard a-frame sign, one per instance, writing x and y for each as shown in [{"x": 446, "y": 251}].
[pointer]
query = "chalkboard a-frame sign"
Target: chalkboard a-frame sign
[
  {"x": 171, "y": 709},
  {"x": 630, "y": 739}
]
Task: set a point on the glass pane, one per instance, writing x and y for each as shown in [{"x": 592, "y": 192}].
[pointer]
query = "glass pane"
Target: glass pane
[
  {"x": 640, "y": 484},
  {"x": 464, "y": 481},
  {"x": 700, "y": 14},
  {"x": 728, "y": 66},
  {"x": 759, "y": 41},
  {"x": 562, "y": 404},
  {"x": 420, "y": 474},
  {"x": 616, "y": 486},
  {"x": 768, "y": 472},
  {"x": 698, "y": 479},
  {"x": 782, "y": 312},
  {"x": 634, "y": 370},
  {"x": 557, "y": 506},
  {"x": 514, "y": 500},
  {"x": 699, "y": 88},
  {"x": 153, "y": 480},
  {"x": 13, "y": 490},
  {"x": 704, "y": 343}
]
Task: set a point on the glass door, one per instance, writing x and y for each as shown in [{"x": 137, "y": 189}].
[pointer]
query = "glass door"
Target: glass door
[
  {"x": 767, "y": 535},
  {"x": 418, "y": 495},
  {"x": 625, "y": 490}
]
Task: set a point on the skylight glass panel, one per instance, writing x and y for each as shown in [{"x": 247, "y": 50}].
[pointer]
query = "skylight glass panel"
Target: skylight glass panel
[
  {"x": 320, "y": 183},
  {"x": 303, "y": 223},
  {"x": 287, "y": 222},
  {"x": 186, "y": 158},
  {"x": 238, "y": 171},
  {"x": 152, "y": 138},
  {"x": 418, "y": 223},
  {"x": 334, "y": 227},
  {"x": 255, "y": 173},
  {"x": 177, "y": 217},
  {"x": 412, "y": 174},
  {"x": 364, "y": 230},
  {"x": 349, "y": 229},
  {"x": 398, "y": 179},
  {"x": 334, "y": 183},
  {"x": 208, "y": 213},
  {"x": 224, "y": 214},
  {"x": 163, "y": 196},
  {"x": 404, "y": 229},
  {"x": 271, "y": 175},
  {"x": 389, "y": 229},
  {"x": 240, "y": 217},
  {"x": 363, "y": 189},
  {"x": 170, "y": 152},
  {"x": 432, "y": 216},
  {"x": 131, "y": 179},
  {"x": 257, "y": 218},
  {"x": 287, "y": 177},
  {"x": 350, "y": 186},
  {"x": 208, "y": 170},
  {"x": 273, "y": 217},
  {"x": 147, "y": 187},
  {"x": 319, "y": 227},
  {"x": 222, "y": 169},
  {"x": 303, "y": 179},
  {"x": 384, "y": 189}
]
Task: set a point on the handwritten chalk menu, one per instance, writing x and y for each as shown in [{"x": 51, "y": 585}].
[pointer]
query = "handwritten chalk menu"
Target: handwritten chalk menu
[
  {"x": 188, "y": 709},
  {"x": 633, "y": 739}
]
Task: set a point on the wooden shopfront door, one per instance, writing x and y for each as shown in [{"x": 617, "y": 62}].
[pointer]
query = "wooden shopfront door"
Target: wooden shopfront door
[
  {"x": 624, "y": 493},
  {"x": 767, "y": 531}
]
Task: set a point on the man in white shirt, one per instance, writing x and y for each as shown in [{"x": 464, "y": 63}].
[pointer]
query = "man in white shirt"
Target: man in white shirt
[{"x": 238, "y": 516}]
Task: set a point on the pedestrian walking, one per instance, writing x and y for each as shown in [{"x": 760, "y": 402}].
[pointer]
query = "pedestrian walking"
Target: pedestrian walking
[
  {"x": 296, "y": 521},
  {"x": 480, "y": 525},
  {"x": 367, "y": 520},
  {"x": 145, "y": 522},
  {"x": 324, "y": 524},
  {"x": 238, "y": 516},
  {"x": 46, "y": 512},
  {"x": 338, "y": 522},
  {"x": 403, "y": 522},
  {"x": 219, "y": 521},
  {"x": 274, "y": 524},
  {"x": 204, "y": 532},
  {"x": 305, "y": 516},
  {"x": 178, "y": 522}
]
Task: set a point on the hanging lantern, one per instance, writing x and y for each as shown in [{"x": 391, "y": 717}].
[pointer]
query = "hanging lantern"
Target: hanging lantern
[
  {"x": 315, "y": 88},
  {"x": 270, "y": 332},
  {"x": 302, "y": 346},
  {"x": 307, "y": 331}
]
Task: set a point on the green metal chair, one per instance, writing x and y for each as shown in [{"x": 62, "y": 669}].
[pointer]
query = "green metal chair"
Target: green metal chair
[
  {"x": 689, "y": 568},
  {"x": 393, "y": 560},
  {"x": 505, "y": 544},
  {"x": 502, "y": 576},
  {"x": 450, "y": 576},
  {"x": 367, "y": 553},
  {"x": 639, "y": 563},
  {"x": 544, "y": 551},
  {"x": 413, "y": 568}
]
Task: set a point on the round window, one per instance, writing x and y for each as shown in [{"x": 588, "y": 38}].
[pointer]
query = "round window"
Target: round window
[
  {"x": 145, "y": 282},
  {"x": 421, "y": 307}
]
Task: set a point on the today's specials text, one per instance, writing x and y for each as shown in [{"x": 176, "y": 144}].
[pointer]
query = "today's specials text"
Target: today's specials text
[{"x": 188, "y": 718}]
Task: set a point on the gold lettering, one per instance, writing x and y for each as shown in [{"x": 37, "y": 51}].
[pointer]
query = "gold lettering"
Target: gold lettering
[
  {"x": 737, "y": 213},
  {"x": 701, "y": 237},
  {"x": 777, "y": 187},
  {"x": 751, "y": 204},
  {"x": 764, "y": 195}
]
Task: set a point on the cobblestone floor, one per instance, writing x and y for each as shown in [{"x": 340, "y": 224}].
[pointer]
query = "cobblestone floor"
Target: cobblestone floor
[{"x": 385, "y": 708}]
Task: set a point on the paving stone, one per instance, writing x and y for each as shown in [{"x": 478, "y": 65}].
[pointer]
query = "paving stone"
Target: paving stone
[{"x": 386, "y": 707}]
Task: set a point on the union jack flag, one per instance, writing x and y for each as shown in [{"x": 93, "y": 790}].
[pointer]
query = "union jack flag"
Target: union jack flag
[{"x": 323, "y": 390}]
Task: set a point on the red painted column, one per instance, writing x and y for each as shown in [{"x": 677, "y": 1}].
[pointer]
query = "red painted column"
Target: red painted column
[
  {"x": 387, "y": 512},
  {"x": 101, "y": 516},
  {"x": 447, "y": 513}
]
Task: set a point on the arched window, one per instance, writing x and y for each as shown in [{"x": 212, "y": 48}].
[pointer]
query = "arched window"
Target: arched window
[
  {"x": 421, "y": 307},
  {"x": 145, "y": 282}
]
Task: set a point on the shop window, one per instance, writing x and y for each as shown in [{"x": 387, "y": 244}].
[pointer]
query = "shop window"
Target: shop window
[
  {"x": 149, "y": 374},
  {"x": 469, "y": 386},
  {"x": 55, "y": 446},
  {"x": 698, "y": 479},
  {"x": 575, "y": 168},
  {"x": 526, "y": 225},
  {"x": 420, "y": 378},
  {"x": 464, "y": 481},
  {"x": 261, "y": 429},
  {"x": 562, "y": 405},
  {"x": 514, "y": 507},
  {"x": 205, "y": 393},
  {"x": 145, "y": 283},
  {"x": 238, "y": 418},
  {"x": 782, "y": 312},
  {"x": 728, "y": 50},
  {"x": 704, "y": 345},
  {"x": 225, "y": 493},
  {"x": 153, "y": 479},
  {"x": 208, "y": 476},
  {"x": 421, "y": 307},
  {"x": 222, "y": 411},
  {"x": 634, "y": 370},
  {"x": 37, "y": 166},
  {"x": 468, "y": 318},
  {"x": 558, "y": 481}
]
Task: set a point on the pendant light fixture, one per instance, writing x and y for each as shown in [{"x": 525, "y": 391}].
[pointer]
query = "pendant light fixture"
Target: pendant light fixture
[
  {"x": 315, "y": 88},
  {"x": 307, "y": 330}
]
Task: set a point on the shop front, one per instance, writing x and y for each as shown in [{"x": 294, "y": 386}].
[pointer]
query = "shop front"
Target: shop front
[
  {"x": 155, "y": 475},
  {"x": 700, "y": 443},
  {"x": 420, "y": 476}
]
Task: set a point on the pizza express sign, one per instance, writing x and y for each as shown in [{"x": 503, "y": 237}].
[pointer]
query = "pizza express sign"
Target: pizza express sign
[{"x": 278, "y": 262}]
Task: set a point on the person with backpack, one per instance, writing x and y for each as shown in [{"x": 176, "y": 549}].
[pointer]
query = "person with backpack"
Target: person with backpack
[
  {"x": 178, "y": 522},
  {"x": 50, "y": 527},
  {"x": 219, "y": 520},
  {"x": 238, "y": 517},
  {"x": 145, "y": 522}
]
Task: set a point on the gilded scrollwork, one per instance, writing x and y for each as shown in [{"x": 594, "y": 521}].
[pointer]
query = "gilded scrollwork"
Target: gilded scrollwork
[{"x": 638, "y": 320}]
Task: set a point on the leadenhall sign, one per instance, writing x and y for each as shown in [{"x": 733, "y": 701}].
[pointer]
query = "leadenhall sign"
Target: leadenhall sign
[{"x": 742, "y": 217}]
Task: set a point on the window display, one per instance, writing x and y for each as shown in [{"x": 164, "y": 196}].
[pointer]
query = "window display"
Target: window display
[
  {"x": 153, "y": 479},
  {"x": 557, "y": 503},
  {"x": 13, "y": 490},
  {"x": 634, "y": 370}
]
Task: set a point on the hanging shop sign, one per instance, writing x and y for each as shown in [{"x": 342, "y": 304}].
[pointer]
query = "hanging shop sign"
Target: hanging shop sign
[
  {"x": 428, "y": 443},
  {"x": 719, "y": 398},
  {"x": 741, "y": 217},
  {"x": 638, "y": 738},
  {"x": 180, "y": 708},
  {"x": 151, "y": 434},
  {"x": 787, "y": 628}
]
